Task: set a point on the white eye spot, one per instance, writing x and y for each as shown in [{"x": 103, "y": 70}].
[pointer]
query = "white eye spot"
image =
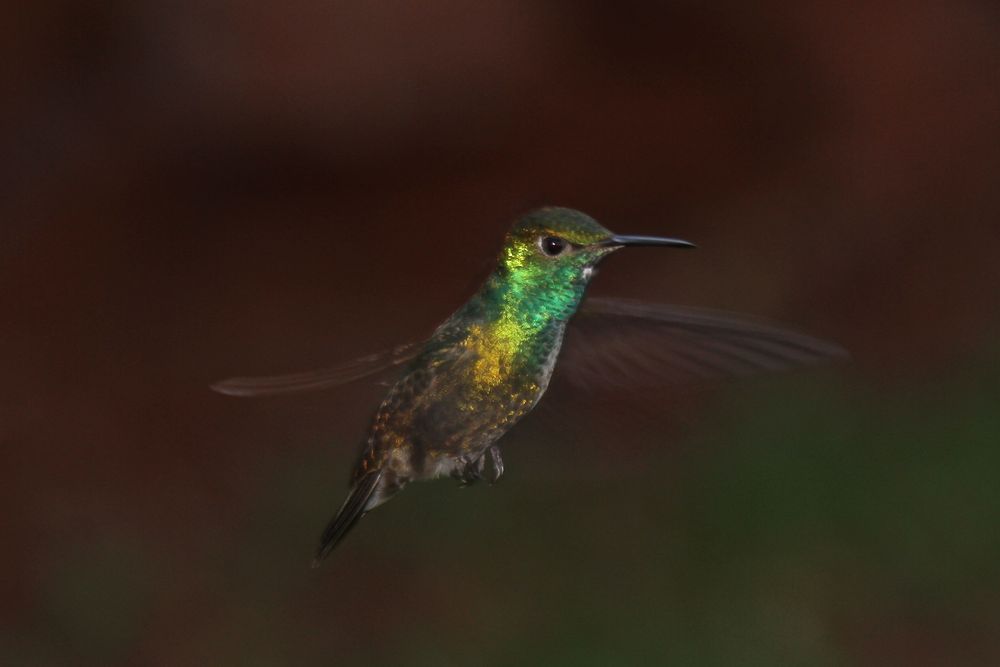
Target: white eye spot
[{"x": 588, "y": 273}]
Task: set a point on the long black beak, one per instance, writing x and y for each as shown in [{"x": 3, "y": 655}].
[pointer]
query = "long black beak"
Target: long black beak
[{"x": 619, "y": 241}]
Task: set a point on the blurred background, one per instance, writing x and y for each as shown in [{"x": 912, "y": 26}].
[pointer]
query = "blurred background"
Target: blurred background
[{"x": 192, "y": 191}]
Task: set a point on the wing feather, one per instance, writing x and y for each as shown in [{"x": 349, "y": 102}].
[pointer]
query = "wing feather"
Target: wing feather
[
  {"x": 631, "y": 343},
  {"x": 320, "y": 379}
]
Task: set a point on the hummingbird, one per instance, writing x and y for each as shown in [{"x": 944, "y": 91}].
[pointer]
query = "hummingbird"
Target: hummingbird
[{"x": 489, "y": 364}]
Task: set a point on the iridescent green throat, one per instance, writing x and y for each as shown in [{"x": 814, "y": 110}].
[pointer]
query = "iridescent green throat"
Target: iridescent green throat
[{"x": 527, "y": 302}]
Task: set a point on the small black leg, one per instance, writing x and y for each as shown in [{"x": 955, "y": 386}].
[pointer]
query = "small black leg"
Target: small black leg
[{"x": 469, "y": 471}]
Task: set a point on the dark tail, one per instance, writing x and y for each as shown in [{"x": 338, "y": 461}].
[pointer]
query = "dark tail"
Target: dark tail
[{"x": 352, "y": 510}]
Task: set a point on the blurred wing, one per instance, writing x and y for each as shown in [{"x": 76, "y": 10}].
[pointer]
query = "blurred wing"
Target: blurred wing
[
  {"x": 629, "y": 343},
  {"x": 317, "y": 380}
]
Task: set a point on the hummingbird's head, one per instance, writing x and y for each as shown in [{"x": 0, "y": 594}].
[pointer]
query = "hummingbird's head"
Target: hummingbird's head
[{"x": 560, "y": 246}]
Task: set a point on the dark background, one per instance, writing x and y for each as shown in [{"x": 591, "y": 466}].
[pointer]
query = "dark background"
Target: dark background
[{"x": 195, "y": 190}]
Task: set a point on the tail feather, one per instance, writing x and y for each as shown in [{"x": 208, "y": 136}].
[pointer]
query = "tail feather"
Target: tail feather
[{"x": 352, "y": 510}]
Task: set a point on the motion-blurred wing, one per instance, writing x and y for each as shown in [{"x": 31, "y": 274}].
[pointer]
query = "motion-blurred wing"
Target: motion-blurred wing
[
  {"x": 629, "y": 343},
  {"x": 317, "y": 380}
]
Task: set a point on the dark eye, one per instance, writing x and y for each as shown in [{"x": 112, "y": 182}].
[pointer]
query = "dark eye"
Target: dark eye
[{"x": 552, "y": 245}]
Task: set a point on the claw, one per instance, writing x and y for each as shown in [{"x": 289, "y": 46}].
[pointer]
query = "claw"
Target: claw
[
  {"x": 469, "y": 471},
  {"x": 496, "y": 467}
]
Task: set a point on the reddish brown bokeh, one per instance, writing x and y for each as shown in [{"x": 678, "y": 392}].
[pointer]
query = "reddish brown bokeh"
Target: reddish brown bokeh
[{"x": 196, "y": 191}]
